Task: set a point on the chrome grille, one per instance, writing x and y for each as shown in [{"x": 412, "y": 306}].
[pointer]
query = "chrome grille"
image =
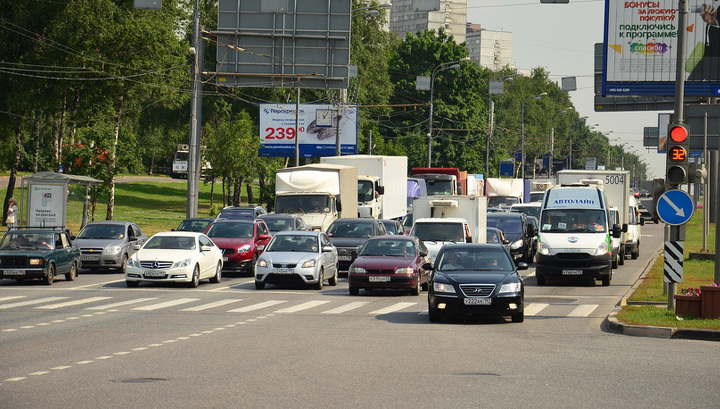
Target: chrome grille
[
  {"x": 280, "y": 265},
  {"x": 152, "y": 265},
  {"x": 91, "y": 250},
  {"x": 477, "y": 290}
]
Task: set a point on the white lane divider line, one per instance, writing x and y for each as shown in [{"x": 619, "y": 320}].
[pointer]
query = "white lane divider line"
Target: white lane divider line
[
  {"x": 31, "y": 302},
  {"x": 71, "y": 303},
  {"x": 347, "y": 307},
  {"x": 212, "y": 305},
  {"x": 258, "y": 306},
  {"x": 535, "y": 308},
  {"x": 166, "y": 304},
  {"x": 393, "y": 308},
  {"x": 301, "y": 307},
  {"x": 583, "y": 310},
  {"x": 121, "y": 303},
  {"x": 11, "y": 297}
]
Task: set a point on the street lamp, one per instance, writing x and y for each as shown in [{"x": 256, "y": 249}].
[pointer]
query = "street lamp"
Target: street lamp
[
  {"x": 372, "y": 10},
  {"x": 522, "y": 149},
  {"x": 451, "y": 65}
]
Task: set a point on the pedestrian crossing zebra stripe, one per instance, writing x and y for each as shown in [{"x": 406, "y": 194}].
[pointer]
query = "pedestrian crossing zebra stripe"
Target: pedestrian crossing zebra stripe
[{"x": 673, "y": 265}]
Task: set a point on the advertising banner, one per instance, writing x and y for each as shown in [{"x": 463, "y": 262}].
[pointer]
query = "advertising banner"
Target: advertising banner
[
  {"x": 640, "y": 48},
  {"x": 46, "y": 205},
  {"x": 317, "y": 130}
]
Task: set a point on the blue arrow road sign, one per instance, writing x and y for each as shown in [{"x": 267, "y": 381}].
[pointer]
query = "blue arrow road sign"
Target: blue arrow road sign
[{"x": 675, "y": 207}]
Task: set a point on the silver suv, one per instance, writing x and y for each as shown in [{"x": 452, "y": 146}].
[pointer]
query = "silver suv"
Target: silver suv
[{"x": 108, "y": 244}]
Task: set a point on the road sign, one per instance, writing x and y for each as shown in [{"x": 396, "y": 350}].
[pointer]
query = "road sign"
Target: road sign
[
  {"x": 673, "y": 266},
  {"x": 675, "y": 207}
]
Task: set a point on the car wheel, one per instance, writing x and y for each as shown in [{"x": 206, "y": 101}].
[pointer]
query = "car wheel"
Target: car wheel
[
  {"x": 70, "y": 276},
  {"x": 416, "y": 290},
  {"x": 259, "y": 285},
  {"x": 321, "y": 278},
  {"x": 615, "y": 261},
  {"x": 606, "y": 280},
  {"x": 195, "y": 280},
  {"x": 50, "y": 277},
  {"x": 218, "y": 274},
  {"x": 434, "y": 314},
  {"x": 251, "y": 269},
  {"x": 540, "y": 279},
  {"x": 519, "y": 317},
  {"x": 123, "y": 264},
  {"x": 334, "y": 279},
  {"x": 132, "y": 284},
  {"x": 634, "y": 255},
  {"x": 354, "y": 290},
  {"x": 621, "y": 259},
  {"x": 531, "y": 256}
]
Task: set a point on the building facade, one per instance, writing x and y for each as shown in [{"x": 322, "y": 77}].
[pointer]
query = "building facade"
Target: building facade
[
  {"x": 411, "y": 16},
  {"x": 490, "y": 49}
]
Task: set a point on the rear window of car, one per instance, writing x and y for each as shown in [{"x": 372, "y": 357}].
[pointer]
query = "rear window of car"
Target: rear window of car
[{"x": 237, "y": 214}]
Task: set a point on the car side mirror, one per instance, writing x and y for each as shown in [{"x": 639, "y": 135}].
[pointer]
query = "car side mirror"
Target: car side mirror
[
  {"x": 264, "y": 236},
  {"x": 427, "y": 266},
  {"x": 328, "y": 249},
  {"x": 132, "y": 238},
  {"x": 506, "y": 241},
  {"x": 136, "y": 247},
  {"x": 261, "y": 247},
  {"x": 423, "y": 253},
  {"x": 642, "y": 221},
  {"x": 624, "y": 228},
  {"x": 522, "y": 265},
  {"x": 380, "y": 190},
  {"x": 616, "y": 231},
  {"x": 205, "y": 248}
]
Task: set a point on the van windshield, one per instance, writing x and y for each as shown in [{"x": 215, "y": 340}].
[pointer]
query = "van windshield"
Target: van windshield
[
  {"x": 575, "y": 220},
  {"x": 439, "y": 232}
]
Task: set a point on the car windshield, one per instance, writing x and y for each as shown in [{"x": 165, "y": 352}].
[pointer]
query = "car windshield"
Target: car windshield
[
  {"x": 28, "y": 240},
  {"x": 302, "y": 204},
  {"x": 528, "y": 210},
  {"x": 394, "y": 248},
  {"x": 278, "y": 224},
  {"x": 365, "y": 191},
  {"x": 574, "y": 220},
  {"x": 507, "y": 225},
  {"x": 170, "y": 243},
  {"x": 537, "y": 196},
  {"x": 193, "y": 225},
  {"x": 350, "y": 230},
  {"x": 294, "y": 243},
  {"x": 493, "y": 236},
  {"x": 476, "y": 259},
  {"x": 231, "y": 230},
  {"x": 408, "y": 220},
  {"x": 391, "y": 228},
  {"x": 439, "y": 187},
  {"x": 237, "y": 214},
  {"x": 439, "y": 231},
  {"x": 495, "y": 201},
  {"x": 102, "y": 231}
]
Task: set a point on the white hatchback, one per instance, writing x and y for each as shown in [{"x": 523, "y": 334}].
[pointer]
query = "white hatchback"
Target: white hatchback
[{"x": 175, "y": 257}]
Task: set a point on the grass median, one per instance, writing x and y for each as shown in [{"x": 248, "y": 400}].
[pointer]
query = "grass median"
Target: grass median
[{"x": 651, "y": 290}]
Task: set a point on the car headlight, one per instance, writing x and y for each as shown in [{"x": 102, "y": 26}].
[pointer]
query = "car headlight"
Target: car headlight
[
  {"x": 601, "y": 249},
  {"x": 35, "y": 261},
  {"x": 357, "y": 270},
  {"x": 243, "y": 249},
  {"x": 309, "y": 263},
  {"x": 183, "y": 263},
  {"x": 443, "y": 288},
  {"x": 133, "y": 263},
  {"x": 406, "y": 270},
  {"x": 262, "y": 263},
  {"x": 543, "y": 249},
  {"x": 516, "y": 244},
  {"x": 510, "y": 288},
  {"x": 113, "y": 249}
]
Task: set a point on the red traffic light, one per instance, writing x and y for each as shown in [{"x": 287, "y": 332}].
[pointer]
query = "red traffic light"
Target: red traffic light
[
  {"x": 678, "y": 133},
  {"x": 677, "y": 154}
]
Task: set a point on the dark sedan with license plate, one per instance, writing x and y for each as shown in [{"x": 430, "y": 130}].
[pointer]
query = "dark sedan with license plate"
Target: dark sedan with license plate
[
  {"x": 390, "y": 262},
  {"x": 38, "y": 254},
  {"x": 475, "y": 279}
]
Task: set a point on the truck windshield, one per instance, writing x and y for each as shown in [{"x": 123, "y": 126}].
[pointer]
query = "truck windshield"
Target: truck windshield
[
  {"x": 575, "y": 220},
  {"x": 439, "y": 232},
  {"x": 439, "y": 187},
  {"x": 495, "y": 201},
  {"x": 302, "y": 204},
  {"x": 365, "y": 191}
]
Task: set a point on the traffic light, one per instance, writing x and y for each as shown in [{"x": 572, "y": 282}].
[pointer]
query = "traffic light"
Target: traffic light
[{"x": 678, "y": 152}]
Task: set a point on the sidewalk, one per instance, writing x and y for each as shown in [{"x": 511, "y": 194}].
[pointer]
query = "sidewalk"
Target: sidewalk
[{"x": 613, "y": 325}]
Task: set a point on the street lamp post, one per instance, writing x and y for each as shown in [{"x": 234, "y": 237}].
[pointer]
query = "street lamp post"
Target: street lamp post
[
  {"x": 522, "y": 131},
  {"x": 451, "y": 65}
]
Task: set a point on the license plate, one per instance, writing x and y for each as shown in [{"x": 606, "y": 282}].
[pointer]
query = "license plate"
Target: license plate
[
  {"x": 477, "y": 301},
  {"x": 572, "y": 272},
  {"x": 379, "y": 279},
  {"x": 89, "y": 258},
  {"x": 345, "y": 258},
  {"x": 284, "y": 271},
  {"x": 153, "y": 273},
  {"x": 14, "y": 272}
]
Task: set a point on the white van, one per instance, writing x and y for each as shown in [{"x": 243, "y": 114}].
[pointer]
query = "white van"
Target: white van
[
  {"x": 574, "y": 237},
  {"x": 632, "y": 243}
]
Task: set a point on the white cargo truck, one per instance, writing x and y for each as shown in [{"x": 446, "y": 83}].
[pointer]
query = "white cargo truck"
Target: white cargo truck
[
  {"x": 440, "y": 220},
  {"x": 381, "y": 184},
  {"x": 504, "y": 192},
  {"x": 615, "y": 184},
  {"x": 320, "y": 193}
]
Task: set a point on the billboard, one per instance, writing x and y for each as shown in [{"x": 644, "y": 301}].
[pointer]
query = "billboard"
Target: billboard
[
  {"x": 640, "y": 50},
  {"x": 47, "y": 205},
  {"x": 317, "y": 130}
]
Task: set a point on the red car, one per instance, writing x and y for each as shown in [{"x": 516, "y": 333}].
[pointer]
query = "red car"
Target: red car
[
  {"x": 390, "y": 262},
  {"x": 241, "y": 241}
]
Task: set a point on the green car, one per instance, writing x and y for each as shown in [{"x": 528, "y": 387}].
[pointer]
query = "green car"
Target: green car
[{"x": 38, "y": 254}]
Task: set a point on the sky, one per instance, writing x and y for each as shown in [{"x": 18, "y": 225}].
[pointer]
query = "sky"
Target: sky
[{"x": 561, "y": 38}]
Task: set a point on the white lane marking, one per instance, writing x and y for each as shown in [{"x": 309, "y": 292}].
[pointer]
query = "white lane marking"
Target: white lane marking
[
  {"x": 212, "y": 305},
  {"x": 300, "y": 307},
  {"x": 347, "y": 307},
  {"x": 583, "y": 310},
  {"x": 31, "y": 302},
  {"x": 393, "y": 308},
  {"x": 39, "y": 373},
  {"x": 60, "y": 368},
  {"x": 19, "y": 378},
  {"x": 98, "y": 284},
  {"x": 121, "y": 303},
  {"x": 258, "y": 306},
  {"x": 530, "y": 275},
  {"x": 71, "y": 303},
  {"x": 84, "y": 362},
  {"x": 166, "y": 304},
  {"x": 12, "y": 297},
  {"x": 534, "y": 308}
]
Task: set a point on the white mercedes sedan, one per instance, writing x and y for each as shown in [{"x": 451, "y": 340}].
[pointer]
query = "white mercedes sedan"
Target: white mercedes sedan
[{"x": 175, "y": 257}]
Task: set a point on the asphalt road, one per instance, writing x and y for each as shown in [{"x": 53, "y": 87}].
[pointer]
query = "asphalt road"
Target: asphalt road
[{"x": 96, "y": 343}]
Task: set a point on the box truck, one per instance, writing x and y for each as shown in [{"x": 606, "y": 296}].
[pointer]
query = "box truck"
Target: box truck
[
  {"x": 504, "y": 192},
  {"x": 443, "y": 181}
]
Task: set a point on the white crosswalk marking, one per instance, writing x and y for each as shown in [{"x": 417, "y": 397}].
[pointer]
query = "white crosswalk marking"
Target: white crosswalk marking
[
  {"x": 583, "y": 310},
  {"x": 12, "y": 297},
  {"x": 347, "y": 307},
  {"x": 121, "y": 303},
  {"x": 303, "y": 306},
  {"x": 212, "y": 305},
  {"x": 30, "y": 302},
  {"x": 165, "y": 304},
  {"x": 535, "y": 308},
  {"x": 393, "y": 308},
  {"x": 71, "y": 303},
  {"x": 257, "y": 306}
]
